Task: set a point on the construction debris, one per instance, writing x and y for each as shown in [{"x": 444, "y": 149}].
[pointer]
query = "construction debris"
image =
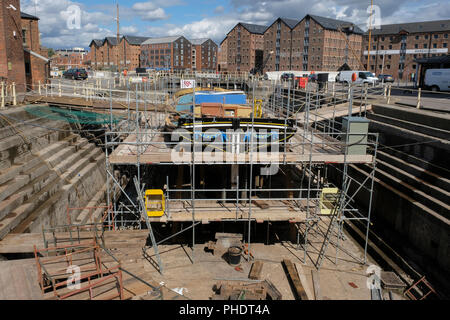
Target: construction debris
[
  {"x": 264, "y": 290},
  {"x": 223, "y": 242}
]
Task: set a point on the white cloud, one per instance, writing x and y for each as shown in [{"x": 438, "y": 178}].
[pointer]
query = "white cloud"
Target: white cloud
[
  {"x": 149, "y": 11},
  {"x": 153, "y": 15},
  {"x": 53, "y": 23},
  {"x": 219, "y": 9}
]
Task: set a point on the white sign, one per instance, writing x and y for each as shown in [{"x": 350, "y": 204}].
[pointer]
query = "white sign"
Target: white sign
[
  {"x": 410, "y": 51},
  {"x": 187, "y": 84}
]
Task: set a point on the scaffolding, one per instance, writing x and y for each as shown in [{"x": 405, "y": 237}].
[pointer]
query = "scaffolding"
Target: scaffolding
[{"x": 316, "y": 152}]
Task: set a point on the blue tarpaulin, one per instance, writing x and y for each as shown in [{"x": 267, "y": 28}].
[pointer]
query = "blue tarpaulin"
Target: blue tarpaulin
[{"x": 185, "y": 102}]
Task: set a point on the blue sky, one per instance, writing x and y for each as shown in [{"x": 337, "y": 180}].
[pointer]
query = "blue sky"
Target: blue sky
[{"x": 205, "y": 18}]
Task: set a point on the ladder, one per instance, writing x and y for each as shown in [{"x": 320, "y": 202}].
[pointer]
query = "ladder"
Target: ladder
[
  {"x": 423, "y": 281},
  {"x": 149, "y": 226},
  {"x": 334, "y": 213}
]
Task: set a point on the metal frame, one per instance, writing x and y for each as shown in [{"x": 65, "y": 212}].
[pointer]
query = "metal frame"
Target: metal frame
[{"x": 144, "y": 125}]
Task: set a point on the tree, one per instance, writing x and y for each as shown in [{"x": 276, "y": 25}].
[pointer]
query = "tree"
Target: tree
[{"x": 51, "y": 52}]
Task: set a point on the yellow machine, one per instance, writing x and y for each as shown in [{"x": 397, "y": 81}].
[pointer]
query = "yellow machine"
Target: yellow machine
[
  {"x": 258, "y": 108},
  {"x": 155, "y": 203},
  {"x": 328, "y": 200}
]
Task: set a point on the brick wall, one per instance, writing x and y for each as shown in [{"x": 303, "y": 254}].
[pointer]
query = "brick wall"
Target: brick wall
[
  {"x": 12, "y": 66},
  {"x": 421, "y": 44},
  {"x": 241, "y": 49},
  {"x": 222, "y": 56}
]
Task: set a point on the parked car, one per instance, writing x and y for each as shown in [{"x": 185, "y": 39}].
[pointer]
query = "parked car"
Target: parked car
[
  {"x": 361, "y": 77},
  {"x": 437, "y": 79},
  {"x": 287, "y": 77},
  {"x": 385, "y": 78},
  {"x": 75, "y": 74}
]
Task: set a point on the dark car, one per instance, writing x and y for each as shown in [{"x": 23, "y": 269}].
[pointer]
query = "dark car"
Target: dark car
[
  {"x": 385, "y": 78},
  {"x": 287, "y": 77},
  {"x": 75, "y": 74}
]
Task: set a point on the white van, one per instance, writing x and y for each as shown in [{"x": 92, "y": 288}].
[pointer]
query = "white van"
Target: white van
[
  {"x": 437, "y": 79},
  {"x": 362, "y": 77}
]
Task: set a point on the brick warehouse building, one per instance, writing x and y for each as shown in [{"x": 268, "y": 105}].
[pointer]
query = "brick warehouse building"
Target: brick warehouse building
[
  {"x": 278, "y": 39},
  {"x": 65, "y": 59},
  {"x": 105, "y": 54},
  {"x": 129, "y": 52},
  {"x": 168, "y": 53},
  {"x": 325, "y": 44},
  {"x": 21, "y": 59},
  {"x": 313, "y": 43},
  {"x": 96, "y": 53},
  {"x": 37, "y": 64},
  {"x": 204, "y": 55},
  {"x": 245, "y": 44},
  {"x": 395, "y": 47}
]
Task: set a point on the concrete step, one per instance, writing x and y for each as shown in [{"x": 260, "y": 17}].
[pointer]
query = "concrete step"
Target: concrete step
[
  {"x": 417, "y": 171},
  {"x": 11, "y": 186},
  {"x": 425, "y": 147},
  {"x": 71, "y": 194},
  {"x": 360, "y": 174},
  {"x": 89, "y": 156},
  {"x": 429, "y": 167},
  {"x": 415, "y": 182},
  {"x": 17, "y": 140},
  {"x": 19, "y": 214},
  {"x": 25, "y": 151},
  {"x": 7, "y": 130},
  {"x": 417, "y": 127},
  {"x": 442, "y": 208},
  {"x": 31, "y": 212},
  {"x": 427, "y": 118},
  {"x": 55, "y": 159},
  {"x": 32, "y": 180}
]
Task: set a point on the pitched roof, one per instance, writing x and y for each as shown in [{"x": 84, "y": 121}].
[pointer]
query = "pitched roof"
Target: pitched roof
[
  {"x": 333, "y": 24},
  {"x": 254, "y": 28},
  {"x": 24, "y": 15},
  {"x": 413, "y": 27},
  {"x": 291, "y": 23},
  {"x": 97, "y": 42},
  {"x": 161, "y": 40},
  {"x": 198, "y": 41},
  {"x": 133, "y": 40},
  {"x": 111, "y": 40}
]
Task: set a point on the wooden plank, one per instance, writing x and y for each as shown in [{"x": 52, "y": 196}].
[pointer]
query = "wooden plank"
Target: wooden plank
[
  {"x": 261, "y": 204},
  {"x": 316, "y": 284},
  {"x": 304, "y": 281},
  {"x": 272, "y": 291},
  {"x": 299, "y": 291},
  {"x": 255, "y": 272}
]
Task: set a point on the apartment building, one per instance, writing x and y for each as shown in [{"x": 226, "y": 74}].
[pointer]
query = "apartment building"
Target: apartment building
[
  {"x": 204, "y": 55},
  {"x": 312, "y": 44},
  {"x": 394, "y": 48},
  {"x": 167, "y": 53},
  {"x": 245, "y": 47}
]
